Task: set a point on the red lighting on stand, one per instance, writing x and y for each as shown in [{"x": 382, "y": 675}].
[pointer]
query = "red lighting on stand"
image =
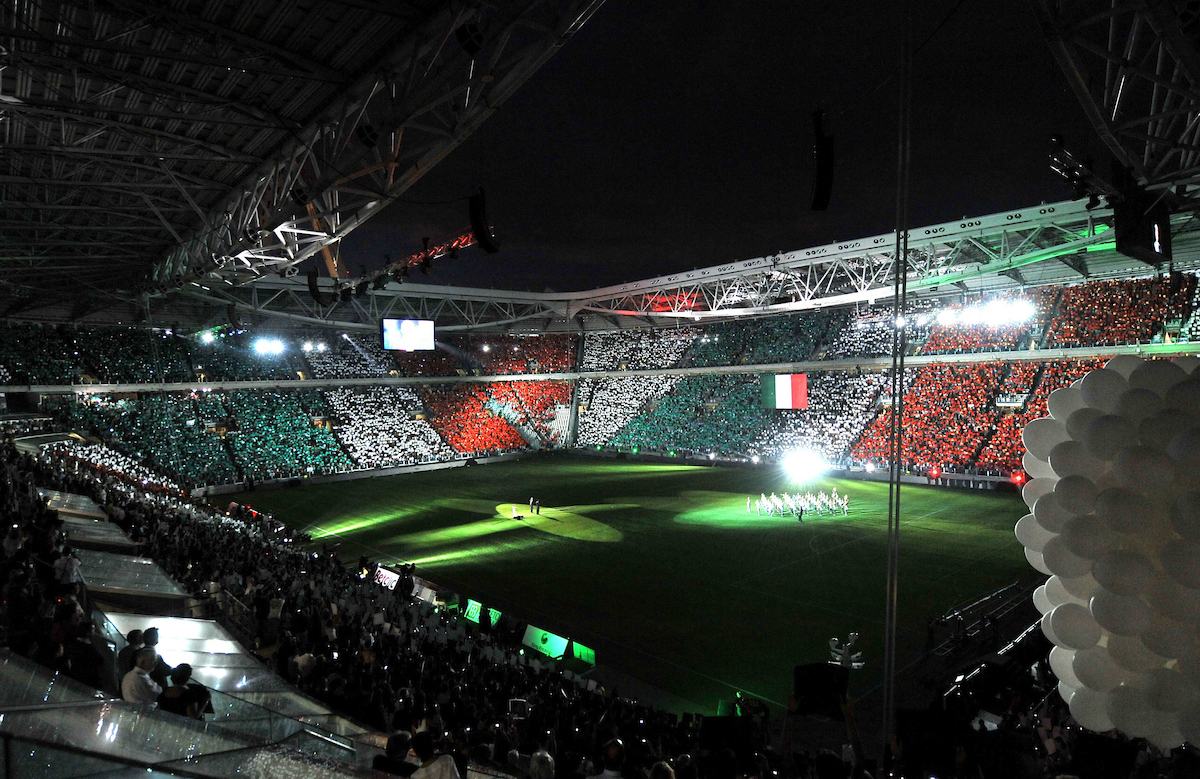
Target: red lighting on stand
[
  {"x": 673, "y": 301},
  {"x": 935, "y": 473},
  {"x": 1018, "y": 478}
]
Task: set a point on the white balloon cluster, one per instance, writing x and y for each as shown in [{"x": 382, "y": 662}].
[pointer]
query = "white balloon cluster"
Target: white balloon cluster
[{"x": 1114, "y": 496}]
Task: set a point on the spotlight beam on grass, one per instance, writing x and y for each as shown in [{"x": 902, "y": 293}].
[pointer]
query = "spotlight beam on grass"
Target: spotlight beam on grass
[{"x": 803, "y": 466}]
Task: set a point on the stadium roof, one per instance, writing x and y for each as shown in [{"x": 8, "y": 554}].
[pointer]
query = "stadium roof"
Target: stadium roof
[
  {"x": 145, "y": 143},
  {"x": 1046, "y": 244},
  {"x": 175, "y": 163}
]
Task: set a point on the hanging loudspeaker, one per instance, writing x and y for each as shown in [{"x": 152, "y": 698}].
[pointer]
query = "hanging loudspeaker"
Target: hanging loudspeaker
[
  {"x": 317, "y": 296},
  {"x": 484, "y": 236}
]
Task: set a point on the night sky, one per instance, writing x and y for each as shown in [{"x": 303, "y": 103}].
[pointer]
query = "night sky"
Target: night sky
[{"x": 672, "y": 135}]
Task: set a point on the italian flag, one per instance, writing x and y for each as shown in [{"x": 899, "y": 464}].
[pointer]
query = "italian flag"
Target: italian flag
[{"x": 785, "y": 390}]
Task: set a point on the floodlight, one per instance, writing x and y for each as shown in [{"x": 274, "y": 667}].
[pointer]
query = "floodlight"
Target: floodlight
[
  {"x": 754, "y": 459},
  {"x": 268, "y": 346},
  {"x": 900, "y": 322},
  {"x": 486, "y": 348},
  {"x": 712, "y": 455},
  {"x": 802, "y": 466},
  {"x": 307, "y": 346},
  {"x": 869, "y": 467},
  {"x": 322, "y": 346},
  {"x": 207, "y": 337}
]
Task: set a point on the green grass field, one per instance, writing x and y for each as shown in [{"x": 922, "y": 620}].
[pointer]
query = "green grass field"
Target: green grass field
[{"x": 661, "y": 569}]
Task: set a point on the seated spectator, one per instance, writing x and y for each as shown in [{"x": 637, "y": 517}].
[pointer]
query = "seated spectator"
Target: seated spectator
[{"x": 137, "y": 686}]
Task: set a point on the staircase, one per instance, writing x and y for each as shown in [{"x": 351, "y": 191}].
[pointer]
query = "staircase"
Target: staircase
[{"x": 510, "y": 415}]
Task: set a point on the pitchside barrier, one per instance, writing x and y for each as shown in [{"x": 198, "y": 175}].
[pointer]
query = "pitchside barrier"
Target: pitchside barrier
[{"x": 944, "y": 479}]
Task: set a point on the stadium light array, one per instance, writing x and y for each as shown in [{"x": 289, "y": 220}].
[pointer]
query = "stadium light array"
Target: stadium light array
[
  {"x": 802, "y": 466},
  {"x": 268, "y": 347},
  {"x": 994, "y": 313},
  {"x": 307, "y": 346}
]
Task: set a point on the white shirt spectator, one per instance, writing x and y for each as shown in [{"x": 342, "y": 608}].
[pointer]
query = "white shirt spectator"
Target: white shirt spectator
[
  {"x": 441, "y": 767},
  {"x": 138, "y": 687}
]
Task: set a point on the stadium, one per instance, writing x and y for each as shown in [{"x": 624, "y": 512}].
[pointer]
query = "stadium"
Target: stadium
[{"x": 287, "y": 495}]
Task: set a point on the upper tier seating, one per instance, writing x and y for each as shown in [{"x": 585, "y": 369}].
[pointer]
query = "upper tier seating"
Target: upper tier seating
[
  {"x": 232, "y": 359},
  {"x": 868, "y": 331},
  {"x": 532, "y": 354},
  {"x": 347, "y": 357},
  {"x": 38, "y": 354},
  {"x": 1104, "y": 313},
  {"x": 636, "y": 349},
  {"x": 754, "y": 341},
  {"x": 954, "y": 337}
]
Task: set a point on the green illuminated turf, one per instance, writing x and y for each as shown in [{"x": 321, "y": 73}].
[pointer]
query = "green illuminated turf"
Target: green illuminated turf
[{"x": 661, "y": 570}]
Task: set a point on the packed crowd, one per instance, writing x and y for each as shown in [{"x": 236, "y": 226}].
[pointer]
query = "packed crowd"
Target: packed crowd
[
  {"x": 755, "y": 341},
  {"x": 948, "y": 411},
  {"x": 165, "y": 431},
  {"x": 839, "y": 406},
  {"x": 609, "y": 404},
  {"x": 106, "y": 462},
  {"x": 1003, "y": 451},
  {"x": 44, "y": 609},
  {"x": 277, "y": 436},
  {"x": 1105, "y": 313},
  {"x": 346, "y": 357},
  {"x": 636, "y": 349},
  {"x": 461, "y": 416},
  {"x": 382, "y": 426},
  {"x": 531, "y": 354},
  {"x": 534, "y": 404},
  {"x": 380, "y": 656},
  {"x": 868, "y": 331},
  {"x": 716, "y": 414}
]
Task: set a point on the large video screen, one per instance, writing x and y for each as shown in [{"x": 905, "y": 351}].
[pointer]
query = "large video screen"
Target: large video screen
[{"x": 407, "y": 335}]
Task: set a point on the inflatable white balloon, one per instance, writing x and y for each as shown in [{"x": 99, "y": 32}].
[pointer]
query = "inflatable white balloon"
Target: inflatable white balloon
[{"x": 1114, "y": 522}]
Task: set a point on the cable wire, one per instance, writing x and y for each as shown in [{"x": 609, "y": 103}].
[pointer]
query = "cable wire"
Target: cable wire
[{"x": 899, "y": 346}]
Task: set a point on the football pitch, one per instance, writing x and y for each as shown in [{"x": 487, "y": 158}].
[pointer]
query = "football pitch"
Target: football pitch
[{"x": 661, "y": 569}]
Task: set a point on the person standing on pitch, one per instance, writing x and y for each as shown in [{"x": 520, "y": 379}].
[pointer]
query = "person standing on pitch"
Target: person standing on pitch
[
  {"x": 531, "y": 505},
  {"x": 537, "y": 507}
]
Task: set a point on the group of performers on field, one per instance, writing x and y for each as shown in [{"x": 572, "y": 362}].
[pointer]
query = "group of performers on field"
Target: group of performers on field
[{"x": 796, "y": 505}]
